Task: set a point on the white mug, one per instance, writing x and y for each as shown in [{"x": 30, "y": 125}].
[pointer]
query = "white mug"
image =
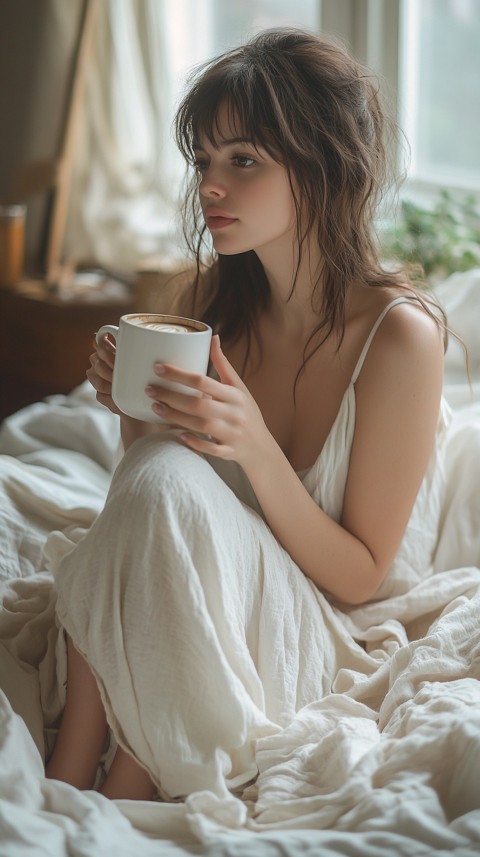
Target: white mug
[{"x": 143, "y": 339}]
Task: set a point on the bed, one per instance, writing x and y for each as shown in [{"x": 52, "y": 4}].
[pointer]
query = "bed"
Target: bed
[{"x": 394, "y": 770}]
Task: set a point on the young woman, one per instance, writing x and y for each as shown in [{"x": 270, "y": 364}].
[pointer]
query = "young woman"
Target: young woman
[{"x": 204, "y": 607}]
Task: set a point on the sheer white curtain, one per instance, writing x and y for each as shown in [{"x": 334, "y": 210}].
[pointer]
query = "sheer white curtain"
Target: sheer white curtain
[{"x": 123, "y": 200}]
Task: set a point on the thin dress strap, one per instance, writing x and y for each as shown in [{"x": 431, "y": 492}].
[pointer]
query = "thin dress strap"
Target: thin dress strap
[{"x": 364, "y": 352}]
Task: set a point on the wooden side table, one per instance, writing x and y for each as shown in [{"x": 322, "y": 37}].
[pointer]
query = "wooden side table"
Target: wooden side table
[{"x": 46, "y": 340}]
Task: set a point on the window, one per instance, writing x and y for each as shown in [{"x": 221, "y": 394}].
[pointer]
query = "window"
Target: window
[
  {"x": 439, "y": 95},
  {"x": 427, "y": 55}
]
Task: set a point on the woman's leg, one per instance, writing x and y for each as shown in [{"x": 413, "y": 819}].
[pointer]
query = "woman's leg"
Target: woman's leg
[
  {"x": 82, "y": 736},
  {"x": 127, "y": 779},
  {"x": 182, "y": 597},
  {"x": 83, "y": 728}
]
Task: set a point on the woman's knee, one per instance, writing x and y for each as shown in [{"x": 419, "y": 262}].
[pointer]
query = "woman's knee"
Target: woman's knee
[{"x": 155, "y": 471}]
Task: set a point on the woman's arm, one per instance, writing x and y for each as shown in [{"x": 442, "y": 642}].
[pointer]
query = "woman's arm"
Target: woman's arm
[
  {"x": 397, "y": 397},
  {"x": 397, "y": 404}
]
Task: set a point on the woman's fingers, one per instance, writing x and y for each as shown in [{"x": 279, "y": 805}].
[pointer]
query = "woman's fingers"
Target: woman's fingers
[
  {"x": 224, "y": 368},
  {"x": 105, "y": 351},
  {"x": 204, "y": 384},
  {"x": 206, "y": 446},
  {"x": 199, "y": 414},
  {"x": 102, "y": 360},
  {"x": 100, "y": 373},
  {"x": 98, "y": 382},
  {"x": 101, "y": 367}
]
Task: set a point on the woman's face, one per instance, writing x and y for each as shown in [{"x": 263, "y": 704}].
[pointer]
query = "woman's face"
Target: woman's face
[{"x": 245, "y": 195}]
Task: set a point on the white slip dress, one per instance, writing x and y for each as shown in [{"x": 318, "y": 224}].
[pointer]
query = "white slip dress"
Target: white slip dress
[{"x": 203, "y": 634}]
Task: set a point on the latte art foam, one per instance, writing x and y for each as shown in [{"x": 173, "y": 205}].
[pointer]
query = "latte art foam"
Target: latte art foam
[
  {"x": 166, "y": 323},
  {"x": 166, "y": 328}
]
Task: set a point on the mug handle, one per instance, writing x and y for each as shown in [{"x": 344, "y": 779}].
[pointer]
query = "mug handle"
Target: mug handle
[{"x": 106, "y": 328}]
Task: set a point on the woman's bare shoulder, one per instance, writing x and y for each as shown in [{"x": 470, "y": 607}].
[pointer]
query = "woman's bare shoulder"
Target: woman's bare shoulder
[
  {"x": 410, "y": 328},
  {"x": 413, "y": 321},
  {"x": 407, "y": 346}
]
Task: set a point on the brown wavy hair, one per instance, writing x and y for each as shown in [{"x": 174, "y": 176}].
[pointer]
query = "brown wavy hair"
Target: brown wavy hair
[{"x": 317, "y": 111}]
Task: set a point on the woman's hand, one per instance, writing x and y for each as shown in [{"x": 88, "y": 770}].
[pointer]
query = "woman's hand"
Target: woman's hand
[
  {"x": 100, "y": 376},
  {"x": 226, "y": 416},
  {"x": 101, "y": 372}
]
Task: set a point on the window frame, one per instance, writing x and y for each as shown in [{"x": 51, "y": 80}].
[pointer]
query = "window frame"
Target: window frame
[{"x": 372, "y": 30}]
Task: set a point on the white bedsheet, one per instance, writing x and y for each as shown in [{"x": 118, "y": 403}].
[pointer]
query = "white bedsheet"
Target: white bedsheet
[{"x": 388, "y": 766}]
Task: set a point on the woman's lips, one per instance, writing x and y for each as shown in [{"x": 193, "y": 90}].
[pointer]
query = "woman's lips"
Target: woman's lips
[{"x": 218, "y": 221}]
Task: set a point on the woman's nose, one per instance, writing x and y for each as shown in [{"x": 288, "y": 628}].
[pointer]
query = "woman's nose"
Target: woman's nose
[{"x": 211, "y": 185}]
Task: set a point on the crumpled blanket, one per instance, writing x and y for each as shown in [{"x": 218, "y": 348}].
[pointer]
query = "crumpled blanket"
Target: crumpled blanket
[
  {"x": 385, "y": 761},
  {"x": 389, "y": 765}
]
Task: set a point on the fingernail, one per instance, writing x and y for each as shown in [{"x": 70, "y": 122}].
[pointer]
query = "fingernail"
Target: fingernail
[
  {"x": 150, "y": 391},
  {"x": 159, "y": 368}
]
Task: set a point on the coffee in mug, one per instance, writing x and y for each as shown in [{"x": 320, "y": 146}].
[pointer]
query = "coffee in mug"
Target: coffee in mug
[{"x": 143, "y": 339}]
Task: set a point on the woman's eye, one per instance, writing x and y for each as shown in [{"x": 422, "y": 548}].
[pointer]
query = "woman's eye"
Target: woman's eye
[{"x": 242, "y": 161}]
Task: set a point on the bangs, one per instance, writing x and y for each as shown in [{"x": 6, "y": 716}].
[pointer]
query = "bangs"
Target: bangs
[{"x": 236, "y": 90}]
